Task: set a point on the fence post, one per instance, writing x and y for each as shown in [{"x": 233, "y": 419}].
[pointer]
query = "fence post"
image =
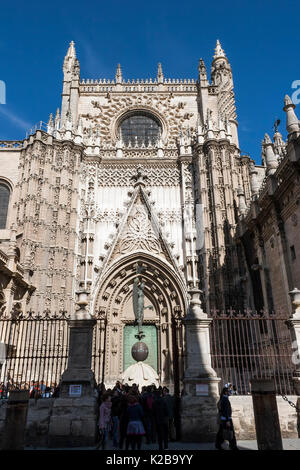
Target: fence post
[
  {"x": 266, "y": 416},
  {"x": 15, "y": 420},
  {"x": 294, "y": 323}
]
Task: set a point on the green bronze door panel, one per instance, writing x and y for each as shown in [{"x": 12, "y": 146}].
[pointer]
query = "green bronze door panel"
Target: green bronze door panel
[{"x": 129, "y": 340}]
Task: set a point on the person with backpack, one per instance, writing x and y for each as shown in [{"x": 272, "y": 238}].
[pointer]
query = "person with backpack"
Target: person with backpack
[{"x": 226, "y": 430}]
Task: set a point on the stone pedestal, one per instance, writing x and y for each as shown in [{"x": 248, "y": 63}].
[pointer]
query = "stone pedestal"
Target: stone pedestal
[
  {"x": 267, "y": 424},
  {"x": 201, "y": 385},
  {"x": 15, "y": 421},
  {"x": 294, "y": 324},
  {"x": 74, "y": 415},
  {"x": 79, "y": 370}
]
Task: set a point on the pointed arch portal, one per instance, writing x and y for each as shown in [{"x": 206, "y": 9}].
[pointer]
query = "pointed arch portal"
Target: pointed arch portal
[{"x": 165, "y": 291}]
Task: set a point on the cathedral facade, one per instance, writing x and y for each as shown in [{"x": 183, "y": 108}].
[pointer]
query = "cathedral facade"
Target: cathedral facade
[{"x": 132, "y": 173}]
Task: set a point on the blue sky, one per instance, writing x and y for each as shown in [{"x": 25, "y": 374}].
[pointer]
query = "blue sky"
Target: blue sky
[{"x": 260, "y": 38}]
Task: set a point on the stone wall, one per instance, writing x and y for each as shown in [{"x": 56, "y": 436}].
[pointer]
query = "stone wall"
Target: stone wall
[
  {"x": 3, "y": 405},
  {"x": 243, "y": 417},
  {"x": 38, "y": 419},
  {"x": 61, "y": 422}
]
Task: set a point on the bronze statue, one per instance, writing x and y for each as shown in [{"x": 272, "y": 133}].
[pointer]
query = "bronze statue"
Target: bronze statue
[{"x": 138, "y": 300}]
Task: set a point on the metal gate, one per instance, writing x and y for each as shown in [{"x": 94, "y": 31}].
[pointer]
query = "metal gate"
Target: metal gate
[{"x": 247, "y": 345}]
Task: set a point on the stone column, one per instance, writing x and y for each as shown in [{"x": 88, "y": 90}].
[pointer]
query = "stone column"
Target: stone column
[
  {"x": 294, "y": 323},
  {"x": 73, "y": 422},
  {"x": 201, "y": 392},
  {"x": 266, "y": 414}
]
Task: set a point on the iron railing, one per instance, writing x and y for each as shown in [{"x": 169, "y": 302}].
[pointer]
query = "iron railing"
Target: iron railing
[{"x": 246, "y": 345}]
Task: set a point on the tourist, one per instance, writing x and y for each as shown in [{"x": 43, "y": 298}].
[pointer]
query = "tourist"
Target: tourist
[
  {"x": 170, "y": 405},
  {"x": 32, "y": 389},
  {"x": 104, "y": 419},
  {"x": 226, "y": 430},
  {"x": 115, "y": 416},
  {"x": 135, "y": 427},
  {"x": 147, "y": 402},
  {"x": 42, "y": 388},
  {"x": 161, "y": 417},
  {"x": 123, "y": 421}
]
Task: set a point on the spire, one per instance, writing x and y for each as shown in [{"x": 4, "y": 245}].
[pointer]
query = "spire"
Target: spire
[
  {"x": 50, "y": 125},
  {"x": 292, "y": 122},
  {"x": 71, "y": 51},
  {"x": 220, "y": 68},
  {"x": 219, "y": 51},
  {"x": 57, "y": 119},
  {"x": 119, "y": 74},
  {"x": 160, "y": 75},
  {"x": 71, "y": 64}
]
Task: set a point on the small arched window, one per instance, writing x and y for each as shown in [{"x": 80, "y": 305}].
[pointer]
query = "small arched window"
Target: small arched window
[{"x": 4, "y": 201}]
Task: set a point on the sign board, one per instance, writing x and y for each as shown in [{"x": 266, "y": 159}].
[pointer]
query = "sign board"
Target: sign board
[
  {"x": 202, "y": 390},
  {"x": 75, "y": 390}
]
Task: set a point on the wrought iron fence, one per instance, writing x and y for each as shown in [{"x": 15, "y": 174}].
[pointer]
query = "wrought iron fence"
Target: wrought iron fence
[
  {"x": 34, "y": 347},
  {"x": 247, "y": 345}
]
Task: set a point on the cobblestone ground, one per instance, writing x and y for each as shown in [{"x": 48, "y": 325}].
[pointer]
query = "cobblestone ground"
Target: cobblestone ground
[{"x": 288, "y": 444}]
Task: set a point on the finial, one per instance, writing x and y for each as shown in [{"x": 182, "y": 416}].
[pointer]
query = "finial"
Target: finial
[
  {"x": 50, "y": 125},
  {"x": 267, "y": 139},
  {"x": 219, "y": 52},
  {"x": 270, "y": 157},
  {"x": 292, "y": 122},
  {"x": 50, "y": 122},
  {"x": 160, "y": 75},
  {"x": 71, "y": 51},
  {"x": 119, "y": 74}
]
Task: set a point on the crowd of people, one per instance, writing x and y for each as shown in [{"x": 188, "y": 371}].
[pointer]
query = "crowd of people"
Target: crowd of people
[
  {"x": 130, "y": 416},
  {"x": 37, "y": 389}
]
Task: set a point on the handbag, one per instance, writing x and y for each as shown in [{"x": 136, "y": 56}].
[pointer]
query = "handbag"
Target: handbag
[{"x": 227, "y": 434}]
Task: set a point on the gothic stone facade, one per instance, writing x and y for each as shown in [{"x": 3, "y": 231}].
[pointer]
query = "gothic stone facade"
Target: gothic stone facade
[{"x": 146, "y": 171}]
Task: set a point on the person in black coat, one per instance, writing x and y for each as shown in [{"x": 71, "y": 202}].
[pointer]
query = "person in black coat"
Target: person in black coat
[
  {"x": 225, "y": 421},
  {"x": 161, "y": 417}
]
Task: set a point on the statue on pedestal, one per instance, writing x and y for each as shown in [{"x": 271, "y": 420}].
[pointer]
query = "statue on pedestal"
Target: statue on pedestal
[{"x": 138, "y": 301}]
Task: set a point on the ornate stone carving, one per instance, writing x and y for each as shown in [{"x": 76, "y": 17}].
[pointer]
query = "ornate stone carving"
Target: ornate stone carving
[{"x": 140, "y": 234}]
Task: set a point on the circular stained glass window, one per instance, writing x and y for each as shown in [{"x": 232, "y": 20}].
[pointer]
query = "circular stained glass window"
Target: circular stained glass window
[{"x": 140, "y": 128}]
